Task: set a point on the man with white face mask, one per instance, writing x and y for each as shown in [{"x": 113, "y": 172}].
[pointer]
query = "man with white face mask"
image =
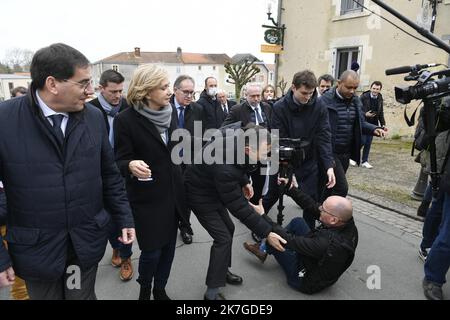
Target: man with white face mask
[{"x": 211, "y": 105}]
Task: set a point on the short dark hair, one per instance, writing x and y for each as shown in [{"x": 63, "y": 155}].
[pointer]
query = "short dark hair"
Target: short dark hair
[
  {"x": 304, "y": 78},
  {"x": 17, "y": 90},
  {"x": 111, "y": 76},
  {"x": 57, "y": 60},
  {"x": 180, "y": 79},
  {"x": 326, "y": 78},
  {"x": 377, "y": 83},
  {"x": 206, "y": 80}
]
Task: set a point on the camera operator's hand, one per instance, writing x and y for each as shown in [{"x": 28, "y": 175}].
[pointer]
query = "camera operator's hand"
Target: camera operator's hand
[
  {"x": 7, "y": 277},
  {"x": 248, "y": 191},
  {"x": 139, "y": 169},
  {"x": 259, "y": 208},
  {"x": 276, "y": 241},
  {"x": 331, "y": 178},
  {"x": 379, "y": 132},
  {"x": 285, "y": 181}
]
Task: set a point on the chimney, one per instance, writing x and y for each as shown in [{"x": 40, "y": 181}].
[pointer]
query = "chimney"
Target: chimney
[
  {"x": 179, "y": 52},
  {"x": 137, "y": 52}
]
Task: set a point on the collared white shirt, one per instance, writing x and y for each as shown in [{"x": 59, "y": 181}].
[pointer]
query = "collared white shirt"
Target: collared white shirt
[
  {"x": 373, "y": 97},
  {"x": 47, "y": 111}
]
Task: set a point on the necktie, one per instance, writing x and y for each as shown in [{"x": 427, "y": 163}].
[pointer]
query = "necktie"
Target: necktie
[
  {"x": 57, "y": 119},
  {"x": 225, "y": 110},
  {"x": 181, "y": 118},
  {"x": 258, "y": 116}
]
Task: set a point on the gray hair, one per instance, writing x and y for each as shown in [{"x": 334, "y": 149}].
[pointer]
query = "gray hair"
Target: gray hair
[{"x": 180, "y": 79}]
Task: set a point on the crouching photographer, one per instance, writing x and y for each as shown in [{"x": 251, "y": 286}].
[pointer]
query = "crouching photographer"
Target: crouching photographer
[{"x": 313, "y": 259}]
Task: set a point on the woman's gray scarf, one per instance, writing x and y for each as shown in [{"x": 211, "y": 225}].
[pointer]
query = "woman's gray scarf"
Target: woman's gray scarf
[{"x": 161, "y": 118}]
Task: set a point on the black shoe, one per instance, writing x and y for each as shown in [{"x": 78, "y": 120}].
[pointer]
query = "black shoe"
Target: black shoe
[
  {"x": 432, "y": 290},
  {"x": 144, "y": 293},
  {"x": 219, "y": 296},
  {"x": 233, "y": 278},
  {"x": 160, "y": 294},
  {"x": 187, "y": 238}
]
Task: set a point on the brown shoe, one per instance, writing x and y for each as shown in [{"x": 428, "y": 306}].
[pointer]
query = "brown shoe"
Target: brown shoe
[
  {"x": 254, "y": 249},
  {"x": 126, "y": 270},
  {"x": 115, "y": 260}
]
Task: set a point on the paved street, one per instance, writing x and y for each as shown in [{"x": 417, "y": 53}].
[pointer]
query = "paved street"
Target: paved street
[{"x": 386, "y": 239}]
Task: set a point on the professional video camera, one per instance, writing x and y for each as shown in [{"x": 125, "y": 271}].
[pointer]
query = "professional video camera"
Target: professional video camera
[
  {"x": 291, "y": 154},
  {"x": 431, "y": 87}
]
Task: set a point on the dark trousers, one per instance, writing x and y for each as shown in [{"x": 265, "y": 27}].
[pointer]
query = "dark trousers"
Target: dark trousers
[
  {"x": 341, "y": 187},
  {"x": 366, "y": 144},
  {"x": 307, "y": 181},
  {"x": 258, "y": 181},
  {"x": 432, "y": 222},
  {"x": 220, "y": 227},
  {"x": 75, "y": 284},
  {"x": 155, "y": 266},
  {"x": 184, "y": 224},
  {"x": 290, "y": 260}
]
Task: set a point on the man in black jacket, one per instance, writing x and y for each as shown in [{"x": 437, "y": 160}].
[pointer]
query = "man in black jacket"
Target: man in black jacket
[
  {"x": 213, "y": 188},
  {"x": 313, "y": 259},
  {"x": 187, "y": 114},
  {"x": 259, "y": 113},
  {"x": 61, "y": 181},
  {"x": 110, "y": 102},
  {"x": 347, "y": 123},
  {"x": 372, "y": 107},
  {"x": 213, "y": 111},
  {"x": 300, "y": 115}
]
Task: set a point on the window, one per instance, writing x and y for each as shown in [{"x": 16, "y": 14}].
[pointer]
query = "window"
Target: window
[
  {"x": 178, "y": 70},
  {"x": 11, "y": 86},
  {"x": 115, "y": 67},
  {"x": 261, "y": 78},
  {"x": 344, "y": 60},
  {"x": 351, "y": 6},
  {"x": 199, "y": 68},
  {"x": 214, "y": 68}
]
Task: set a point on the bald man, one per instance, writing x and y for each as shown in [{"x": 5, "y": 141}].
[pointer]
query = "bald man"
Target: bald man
[
  {"x": 347, "y": 124},
  {"x": 312, "y": 259}
]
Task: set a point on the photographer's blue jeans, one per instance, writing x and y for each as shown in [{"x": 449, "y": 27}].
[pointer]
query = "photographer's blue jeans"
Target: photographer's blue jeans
[
  {"x": 125, "y": 250},
  {"x": 290, "y": 260},
  {"x": 438, "y": 260},
  {"x": 432, "y": 222},
  {"x": 366, "y": 142}
]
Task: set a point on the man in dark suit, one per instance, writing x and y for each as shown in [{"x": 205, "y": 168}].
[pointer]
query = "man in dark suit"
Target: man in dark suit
[
  {"x": 187, "y": 114},
  {"x": 224, "y": 103},
  {"x": 208, "y": 99},
  {"x": 59, "y": 176},
  {"x": 110, "y": 102},
  {"x": 259, "y": 113}
]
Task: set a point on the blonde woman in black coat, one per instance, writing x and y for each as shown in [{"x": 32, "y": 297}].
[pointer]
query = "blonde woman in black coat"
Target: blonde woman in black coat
[{"x": 154, "y": 184}]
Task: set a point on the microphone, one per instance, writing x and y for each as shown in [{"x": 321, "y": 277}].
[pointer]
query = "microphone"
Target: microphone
[{"x": 407, "y": 69}]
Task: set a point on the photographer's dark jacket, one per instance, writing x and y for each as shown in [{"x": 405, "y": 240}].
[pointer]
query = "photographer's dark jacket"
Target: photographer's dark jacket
[
  {"x": 306, "y": 121},
  {"x": 325, "y": 252},
  {"x": 214, "y": 115},
  {"x": 375, "y": 105},
  {"x": 217, "y": 187},
  {"x": 243, "y": 112},
  {"x": 57, "y": 196},
  {"x": 340, "y": 114}
]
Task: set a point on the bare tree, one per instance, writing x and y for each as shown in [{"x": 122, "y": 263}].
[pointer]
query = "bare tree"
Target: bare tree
[
  {"x": 282, "y": 84},
  {"x": 19, "y": 60},
  {"x": 240, "y": 74}
]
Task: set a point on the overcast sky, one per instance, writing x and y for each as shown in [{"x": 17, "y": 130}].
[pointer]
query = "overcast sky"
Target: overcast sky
[{"x": 100, "y": 28}]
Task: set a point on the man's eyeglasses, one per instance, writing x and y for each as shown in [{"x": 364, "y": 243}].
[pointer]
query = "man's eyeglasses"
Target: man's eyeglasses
[
  {"x": 84, "y": 84},
  {"x": 187, "y": 93}
]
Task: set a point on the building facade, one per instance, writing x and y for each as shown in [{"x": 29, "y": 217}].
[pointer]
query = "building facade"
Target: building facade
[
  {"x": 328, "y": 36},
  {"x": 10, "y": 81},
  {"x": 197, "y": 65}
]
